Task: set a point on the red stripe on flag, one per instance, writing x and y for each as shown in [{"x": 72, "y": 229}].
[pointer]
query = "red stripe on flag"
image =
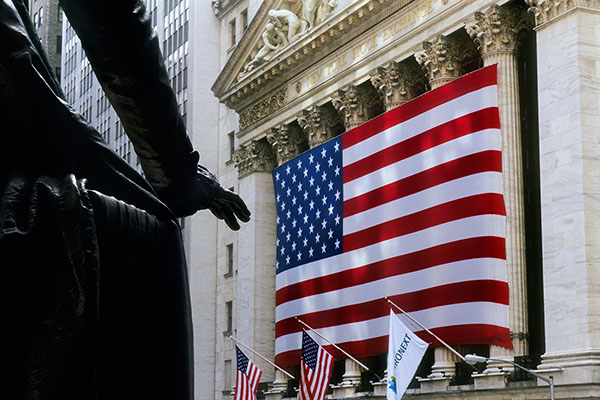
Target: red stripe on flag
[
  {"x": 490, "y": 160},
  {"x": 455, "y": 293},
  {"x": 481, "y": 204},
  {"x": 453, "y": 335},
  {"x": 486, "y": 118},
  {"x": 477, "y": 247},
  {"x": 466, "y": 84}
]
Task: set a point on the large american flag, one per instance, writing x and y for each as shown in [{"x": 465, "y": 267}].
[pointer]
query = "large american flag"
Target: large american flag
[
  {"x": 315, "y": 370},
  {"x": 408, "y": 206},
  {"x": 246, "y": 378}
]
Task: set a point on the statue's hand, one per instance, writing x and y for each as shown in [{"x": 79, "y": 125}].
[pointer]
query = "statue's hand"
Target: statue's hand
[
  {"x": 201, "y": 191},
  {"x": 230, "y": 207},
  {"x": 223, "y": 203}
]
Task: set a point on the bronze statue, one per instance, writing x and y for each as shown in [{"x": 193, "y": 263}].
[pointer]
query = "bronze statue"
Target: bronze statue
[{"x": 94, "y": 284}]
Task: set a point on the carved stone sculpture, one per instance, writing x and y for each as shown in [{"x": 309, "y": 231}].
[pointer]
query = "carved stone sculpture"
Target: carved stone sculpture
[
  {"x": 273, "y": 41},
  {"x": 287, "y": 22},
  {"x": 315, "y": 11}
]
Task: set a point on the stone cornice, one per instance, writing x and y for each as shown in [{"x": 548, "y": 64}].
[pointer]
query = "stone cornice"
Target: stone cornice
[
  {"x": 225, "y": 9},
  {"x": 310, "y": 47},
  {"x": 548, "y": 10}
]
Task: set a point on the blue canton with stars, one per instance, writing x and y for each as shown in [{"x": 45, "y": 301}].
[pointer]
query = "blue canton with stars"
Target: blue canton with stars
[
  {"x": 242, "y": 360},
  {"x": 310, "y": 351},
  {"x": 308, "y": 192}
]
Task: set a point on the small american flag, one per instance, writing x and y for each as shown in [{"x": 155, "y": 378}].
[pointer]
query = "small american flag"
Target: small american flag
[
  {"x": 247, "y": 377},
  {"x": 408, "y": 205},
  {"x": 315, "y": 370}
]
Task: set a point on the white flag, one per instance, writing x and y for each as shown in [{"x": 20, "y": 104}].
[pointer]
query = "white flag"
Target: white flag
[{"x": 405, "y": 353}]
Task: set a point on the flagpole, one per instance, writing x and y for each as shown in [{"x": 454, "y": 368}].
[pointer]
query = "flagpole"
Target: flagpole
[
  {"x": 333, "y": 344},
  {"x": 427, "y": 330},
  {"x": 261, "y": 356}
]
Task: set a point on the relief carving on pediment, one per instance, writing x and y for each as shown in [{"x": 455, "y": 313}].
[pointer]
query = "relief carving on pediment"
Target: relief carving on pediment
[{"x": 285, "y": 27}]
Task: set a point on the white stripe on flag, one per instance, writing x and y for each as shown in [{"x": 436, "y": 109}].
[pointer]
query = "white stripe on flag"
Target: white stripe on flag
[
  {"x": 466, "y": 104},
  {"x": 450, "y": 315},
  {"x": 488, "y": 139},
  {"x": 483, "y": 225}
]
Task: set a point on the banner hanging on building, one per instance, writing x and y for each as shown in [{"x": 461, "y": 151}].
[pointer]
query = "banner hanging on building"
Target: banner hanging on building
[
  {"x": 409, "y": 206},
  {"x": 405, "y": 352}
]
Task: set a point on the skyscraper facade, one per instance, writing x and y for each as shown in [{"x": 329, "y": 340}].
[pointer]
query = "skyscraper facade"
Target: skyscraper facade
[{"x": 47, "y": 18}]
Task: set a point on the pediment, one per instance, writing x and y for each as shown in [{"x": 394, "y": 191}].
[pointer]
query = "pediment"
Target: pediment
[{"x": 257, "y": 73}]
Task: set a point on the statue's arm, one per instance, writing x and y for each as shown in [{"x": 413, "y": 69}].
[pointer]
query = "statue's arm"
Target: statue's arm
[{"x": 124, "y": 52}]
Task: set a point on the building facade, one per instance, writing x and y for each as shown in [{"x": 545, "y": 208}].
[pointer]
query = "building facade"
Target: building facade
[{"x": 350, "y": 60}]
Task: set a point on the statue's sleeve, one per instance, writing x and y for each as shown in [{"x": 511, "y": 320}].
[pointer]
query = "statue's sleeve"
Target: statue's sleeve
[{"x": 124, "y": 52}]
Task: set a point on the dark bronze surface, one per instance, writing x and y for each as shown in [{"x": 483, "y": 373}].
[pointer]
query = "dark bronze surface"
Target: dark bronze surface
[{"x": 94, "y": 287}]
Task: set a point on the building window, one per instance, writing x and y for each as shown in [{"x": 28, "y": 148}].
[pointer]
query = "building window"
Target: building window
[
  {"x": 58, "y": 44},
  {"x": 228, "y": 376},
  {"x": 244, "y": 17},
  {"x": 231, "y": 137},
  {"x": 41, "y": 16},
  {"x": 229, "y": 315},
  {"x": 232, "y": 33},
  {"x": 59, "y": 14},
  {"x": 229, "y": 260}
]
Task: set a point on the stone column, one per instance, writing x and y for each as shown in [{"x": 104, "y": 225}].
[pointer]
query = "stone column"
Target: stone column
[
  {"x": 568, "y": 56},
  {"x": 279, "y": 387},
  {"x": 398, "y": 83},
  {"x": 350, "y": 380},
  {"x": 318, "y": 123},
  {"x": 441, "y": 61},
  {"x": 254, "y": 303},
  {"x": 353, "y": 104},
  {"x": 285, "y": 141},
  {"x": 497, "y": 33}
]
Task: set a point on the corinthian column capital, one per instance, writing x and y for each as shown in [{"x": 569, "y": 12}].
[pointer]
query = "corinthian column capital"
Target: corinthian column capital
[
  {"x": 256, "y": 156},
  {"x": 441, "y": 59},
  {"x": 499, "y": 29},
  {"x": 354, "y": 104},
  {"x": 547, "y": 10},
  {"x": 285, "y": 140},
  {"x": 318, "y": 123},
  {"x": 398, "y": 83}
]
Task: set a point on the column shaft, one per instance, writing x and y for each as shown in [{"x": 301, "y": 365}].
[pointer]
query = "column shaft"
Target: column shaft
[{"x": 512, "y": 181}]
